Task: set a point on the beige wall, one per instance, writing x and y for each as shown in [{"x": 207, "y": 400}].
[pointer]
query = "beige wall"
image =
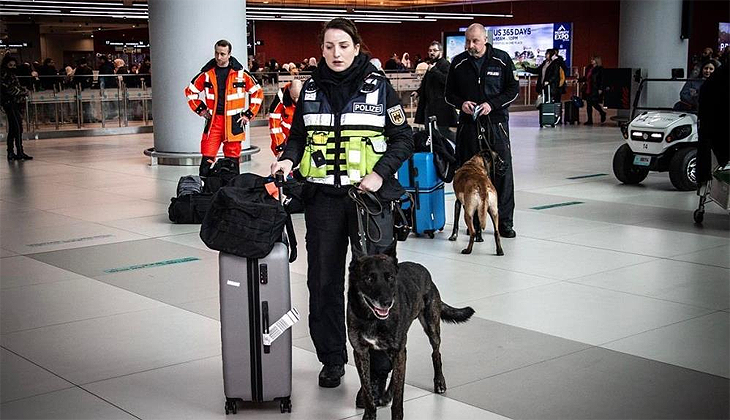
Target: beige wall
[{"x": 53, "y": 46}]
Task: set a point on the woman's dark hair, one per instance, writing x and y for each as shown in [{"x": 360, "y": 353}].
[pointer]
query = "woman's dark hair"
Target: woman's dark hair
[
  {"x": 224, "y": 43},
  {"x": 346, "y": 25},
  {"x": 6, "y": 59}
]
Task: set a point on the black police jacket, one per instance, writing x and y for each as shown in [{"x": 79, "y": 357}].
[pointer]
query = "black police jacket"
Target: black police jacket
[{"x": 496, "y": 83}]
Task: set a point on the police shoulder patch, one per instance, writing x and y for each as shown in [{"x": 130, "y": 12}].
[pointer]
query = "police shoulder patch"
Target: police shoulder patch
[{"x": 396, "y": 115}]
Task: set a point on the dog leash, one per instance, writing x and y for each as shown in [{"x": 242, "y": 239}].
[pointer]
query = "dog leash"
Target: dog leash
[
  {"x": 365, "y": 212},
  {"x": 486, "y": 141}
]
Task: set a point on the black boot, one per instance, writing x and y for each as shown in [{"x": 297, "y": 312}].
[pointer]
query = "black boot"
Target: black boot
[
  {"x": 23, "y": 156},
  {"x": 329, "y": 376},
  {"x": 205, "y": 163},
  {"x": 11, "y": 155}
]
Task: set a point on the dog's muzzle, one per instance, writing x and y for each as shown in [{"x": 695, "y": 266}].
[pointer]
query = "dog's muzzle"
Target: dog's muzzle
[{"x": 379, "y": 312}]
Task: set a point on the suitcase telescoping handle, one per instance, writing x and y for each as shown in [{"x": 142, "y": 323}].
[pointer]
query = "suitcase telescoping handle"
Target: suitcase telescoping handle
[
  {"x": 431, "y": 127},
  {"x": 279, "y": 181}
]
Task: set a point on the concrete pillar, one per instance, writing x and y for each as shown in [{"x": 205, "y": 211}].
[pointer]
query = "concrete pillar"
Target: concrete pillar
[
  {"x": 182, "y": 38},
  {"x": 649, "y": 39}
]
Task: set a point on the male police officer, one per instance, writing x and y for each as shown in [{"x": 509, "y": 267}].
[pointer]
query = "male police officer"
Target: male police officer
[{"x": 482, "y": 84}]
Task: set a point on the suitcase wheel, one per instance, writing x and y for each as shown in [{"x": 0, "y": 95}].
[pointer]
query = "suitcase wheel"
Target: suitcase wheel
[
  {"x": 231, "y": 406},
  {"x": 285, "y": 405},
  {"x": 430, "y": 234}
]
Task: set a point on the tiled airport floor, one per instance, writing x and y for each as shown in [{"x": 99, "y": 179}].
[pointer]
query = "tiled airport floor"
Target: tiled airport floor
[{"x": 616, "y": 306}]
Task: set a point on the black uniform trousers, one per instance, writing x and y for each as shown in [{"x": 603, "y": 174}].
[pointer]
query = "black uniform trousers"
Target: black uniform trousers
[
  {"x": 15, "y": 127},
  {"x": 469, "y": 143},
  {"x": 331, "y": 221}
]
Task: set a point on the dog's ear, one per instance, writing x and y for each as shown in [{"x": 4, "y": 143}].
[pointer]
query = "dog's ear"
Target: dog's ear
[{"x": 391, "y": 252}]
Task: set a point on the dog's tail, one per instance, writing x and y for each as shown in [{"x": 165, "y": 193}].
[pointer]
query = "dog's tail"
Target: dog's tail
[{"x": 455, "y": 315}]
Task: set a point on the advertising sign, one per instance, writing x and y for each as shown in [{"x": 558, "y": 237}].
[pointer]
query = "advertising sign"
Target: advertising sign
[
  {"x": 524, "y": 43},
  {"x": 723, "y": 36}
]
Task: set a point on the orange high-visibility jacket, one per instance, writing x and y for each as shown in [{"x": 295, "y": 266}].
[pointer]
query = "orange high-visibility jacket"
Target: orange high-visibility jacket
[
  {"x": 281, "y": 114},
  {"x": 244, "y": 96}
]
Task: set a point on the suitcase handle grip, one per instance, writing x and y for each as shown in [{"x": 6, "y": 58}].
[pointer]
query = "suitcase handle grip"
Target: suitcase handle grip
[{"x": 265, "y": 320}]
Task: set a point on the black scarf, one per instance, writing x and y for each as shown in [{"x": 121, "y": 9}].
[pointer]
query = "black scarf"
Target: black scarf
[{"x": 339, "y": 87}]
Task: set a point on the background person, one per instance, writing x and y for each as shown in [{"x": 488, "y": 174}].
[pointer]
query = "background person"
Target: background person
[
  {"x": 593, "y": 90},
  {"x": 225, "y": 84},
  {"x": 431, "y": 99},
  {"x": 548, "y": 74},
  {"x": 690, "y": 94},
  {"x": 484, "y": 77},
  {"x": 340, "y": 87},
  {"x": 714, "y": 127},
  {"x": 281, "y": 114},
  {"x": 13, "y": 96}
]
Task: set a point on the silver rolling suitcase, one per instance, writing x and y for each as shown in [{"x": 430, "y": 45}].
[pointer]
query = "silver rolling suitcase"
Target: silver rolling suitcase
[{"x": 256, "y": 316}]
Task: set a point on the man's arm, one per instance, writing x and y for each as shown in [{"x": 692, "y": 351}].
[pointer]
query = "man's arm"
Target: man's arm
[
  {"x": 256, "y": 95},
  {"x": 297, "y": 137},
  {"x": 452, "y": 92},
  {"x": 192, "y": 92}
]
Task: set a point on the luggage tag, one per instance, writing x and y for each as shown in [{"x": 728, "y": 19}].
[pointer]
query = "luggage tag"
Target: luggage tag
[
  {"x": 284, "y": 323},
  {"x": 318, "y": 159}
]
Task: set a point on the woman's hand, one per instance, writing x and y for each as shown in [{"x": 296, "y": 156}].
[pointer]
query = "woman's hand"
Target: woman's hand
[
  {"x": 282, "y": 165},
  {"x": 372, "y": 182}
]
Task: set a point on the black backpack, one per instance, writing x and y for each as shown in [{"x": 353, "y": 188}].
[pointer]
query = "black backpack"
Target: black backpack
[
  {"x": 245, "y": 221},
  {"x": 189, "y": 184}
]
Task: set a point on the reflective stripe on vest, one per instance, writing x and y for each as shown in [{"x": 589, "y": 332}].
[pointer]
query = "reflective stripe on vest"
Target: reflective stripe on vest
[{"x": 362, "y": 142}]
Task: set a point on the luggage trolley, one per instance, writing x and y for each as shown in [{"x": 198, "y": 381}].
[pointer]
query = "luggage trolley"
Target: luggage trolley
[{"x": 717, "y": 190}]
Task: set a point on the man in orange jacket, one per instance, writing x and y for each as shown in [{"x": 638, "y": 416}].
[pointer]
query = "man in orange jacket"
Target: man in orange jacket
[
  {"x": 231, "y": 97},
  {"x": 281, "y": 114}
]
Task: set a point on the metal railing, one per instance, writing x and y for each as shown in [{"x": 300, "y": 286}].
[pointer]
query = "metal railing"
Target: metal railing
[{"x": 70, "y": 105}]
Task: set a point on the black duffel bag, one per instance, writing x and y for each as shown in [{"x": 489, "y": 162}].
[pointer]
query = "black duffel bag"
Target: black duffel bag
[{"x": 243, "y": 221}]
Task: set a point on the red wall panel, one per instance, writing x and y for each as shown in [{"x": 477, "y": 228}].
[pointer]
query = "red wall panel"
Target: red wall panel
[{"x": 595, "y": 26}]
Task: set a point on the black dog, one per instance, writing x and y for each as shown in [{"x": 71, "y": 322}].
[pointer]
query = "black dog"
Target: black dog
[{"x": 384, "y": 298}]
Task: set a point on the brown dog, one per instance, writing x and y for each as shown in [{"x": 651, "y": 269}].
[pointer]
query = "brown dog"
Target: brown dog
[{"x": 475, "y": 191}]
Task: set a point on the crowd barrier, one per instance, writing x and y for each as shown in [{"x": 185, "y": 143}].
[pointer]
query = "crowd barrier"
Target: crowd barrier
[{"x": 68, "y": 107}]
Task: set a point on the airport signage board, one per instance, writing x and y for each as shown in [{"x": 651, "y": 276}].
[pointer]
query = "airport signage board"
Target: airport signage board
[{"x": 524, "y": 43}]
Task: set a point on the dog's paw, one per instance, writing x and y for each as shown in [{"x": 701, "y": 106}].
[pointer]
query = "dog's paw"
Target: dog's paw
[
  {"x": 466, "y": 251},
  {"x": 500, "y": 252},
  {"x": 478, "y": 239},
  {"x": 368, "y": 416},
  {"x": 439, "y": 386},
  {"x": 453, "y": 237}
]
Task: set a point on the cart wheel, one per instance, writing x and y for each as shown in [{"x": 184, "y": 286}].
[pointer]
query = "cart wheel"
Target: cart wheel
[
  {"x": 699, "y": 216},
  {"x": 430, "y": 234}
]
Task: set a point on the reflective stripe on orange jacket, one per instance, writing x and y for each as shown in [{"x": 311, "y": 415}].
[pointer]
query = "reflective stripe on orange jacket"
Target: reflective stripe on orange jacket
[
  {"x": 244, "y": 96},
  {"x": 281, "y": 114}
]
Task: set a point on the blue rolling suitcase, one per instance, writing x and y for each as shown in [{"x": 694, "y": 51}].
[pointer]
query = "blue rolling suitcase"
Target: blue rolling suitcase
[{"x": 418, "y": 176}]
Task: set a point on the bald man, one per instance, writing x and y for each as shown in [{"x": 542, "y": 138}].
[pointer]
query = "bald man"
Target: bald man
[
  {"x": 482, "y": 84},
  {"x": 281, "y": 114}
]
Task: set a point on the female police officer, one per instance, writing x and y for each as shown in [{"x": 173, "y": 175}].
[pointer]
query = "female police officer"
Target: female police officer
[{"x": 349, "y": 127}]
